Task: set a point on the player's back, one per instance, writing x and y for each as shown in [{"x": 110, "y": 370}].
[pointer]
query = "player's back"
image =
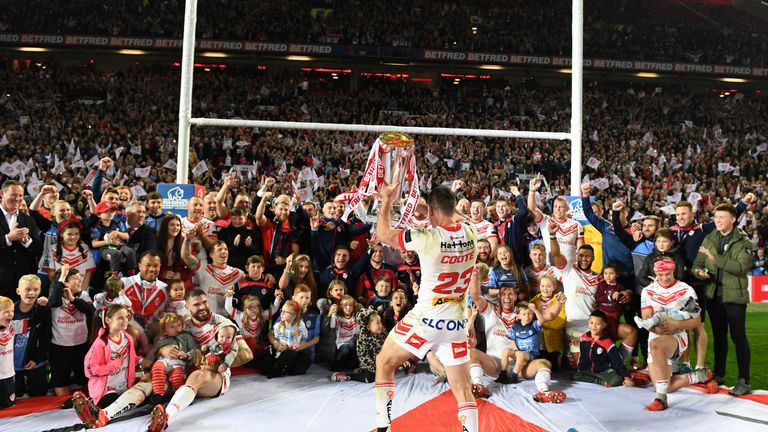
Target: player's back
[{"x": 447, "y": 256}]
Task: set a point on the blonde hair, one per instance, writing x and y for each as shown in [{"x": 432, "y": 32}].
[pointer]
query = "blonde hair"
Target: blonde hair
[
  {"x": 29, "y": 279},
  {"x": 5, "y": 303},
  {"x": 554, "y": 281},
  {"x": 171, "y": 318}
]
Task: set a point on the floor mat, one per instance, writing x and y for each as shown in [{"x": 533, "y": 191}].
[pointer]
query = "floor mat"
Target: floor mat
[{"x": 313, "y": 403}]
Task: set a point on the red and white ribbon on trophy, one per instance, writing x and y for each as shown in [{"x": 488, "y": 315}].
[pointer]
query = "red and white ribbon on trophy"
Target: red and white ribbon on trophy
[{"x": 391, "y": 160}]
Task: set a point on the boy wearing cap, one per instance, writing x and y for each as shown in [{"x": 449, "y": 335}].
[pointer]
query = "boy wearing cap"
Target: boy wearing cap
[{"x": 109, "y": 240}]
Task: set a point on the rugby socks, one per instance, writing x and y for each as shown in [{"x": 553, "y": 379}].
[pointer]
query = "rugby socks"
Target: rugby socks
[
  {"x": 126, "y": 402},
  {"x": 661, "y": 389},
  {"x": 158, "y": 378},
  {"x": 184, "y": 396},
  {"x": 626, "y": 351},
  {"x": 468, "y": 416},
  {"x": 385, "y": 393},
  {"x": 542, "y": 379},
  {"x": 698, "y": 376},
  {"x": 176, "y": 377},
  {"x": 475, "y": 373}
]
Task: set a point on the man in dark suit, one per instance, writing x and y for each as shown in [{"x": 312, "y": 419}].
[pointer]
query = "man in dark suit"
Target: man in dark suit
[
  {"x": 20, "y": 242},
  {"x": 142, "y": 237}
]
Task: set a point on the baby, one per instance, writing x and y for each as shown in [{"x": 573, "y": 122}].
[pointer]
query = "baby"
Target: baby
[
  {"x": 689, "y": 310},
  {"x": 221, "y": 351}
]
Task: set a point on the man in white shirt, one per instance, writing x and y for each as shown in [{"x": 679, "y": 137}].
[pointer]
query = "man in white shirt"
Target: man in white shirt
[{"x": 570, "y": 234}]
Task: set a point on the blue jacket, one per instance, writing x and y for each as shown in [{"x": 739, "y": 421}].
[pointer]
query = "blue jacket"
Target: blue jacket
[
  {"x": 511, "y": 233},
  {"x": 614, "y": 251}
]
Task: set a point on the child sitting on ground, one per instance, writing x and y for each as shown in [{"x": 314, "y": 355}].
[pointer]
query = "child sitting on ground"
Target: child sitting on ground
[
  {"x": 347, "y": 329},
  {"x": 286, "y": 337},
  {"x": 690, "y": 310},
  {"x": 526, "y": 335},
  {"x": 600, "y": 361},
  {"x": 220, "y": 351},
  {"x": 171, "y": 326},
  {"x": 369, "y": 343},
  {"x": 253, "y": 322}
]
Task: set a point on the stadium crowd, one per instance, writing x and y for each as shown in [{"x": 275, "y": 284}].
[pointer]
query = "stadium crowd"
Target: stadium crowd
[
  {"x": 102, "y": 274},
  {"x": 654, "y": 30}
]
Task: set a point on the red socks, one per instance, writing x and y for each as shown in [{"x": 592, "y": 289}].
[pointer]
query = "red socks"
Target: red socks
[
  {"x": 158, "y": 378},
  {"x": 176, "y": 377}
]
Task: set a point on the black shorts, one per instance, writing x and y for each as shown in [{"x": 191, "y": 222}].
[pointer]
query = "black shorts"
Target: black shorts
[
  {"x": 67, "y": 361},
  {"x": 7, "y": 392}
]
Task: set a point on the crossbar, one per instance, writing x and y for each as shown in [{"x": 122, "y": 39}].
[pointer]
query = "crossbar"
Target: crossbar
[{"x": 490, "y": 133}]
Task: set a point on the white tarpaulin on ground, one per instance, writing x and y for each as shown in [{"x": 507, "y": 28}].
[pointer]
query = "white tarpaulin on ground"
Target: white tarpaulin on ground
[{"x": 255, "y": 403}]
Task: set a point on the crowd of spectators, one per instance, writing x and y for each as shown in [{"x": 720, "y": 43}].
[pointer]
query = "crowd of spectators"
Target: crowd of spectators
[
  {"x": 657, "y": 29},
  {"x": 105, "y": 138},
  {"x": 655, "y": 141}
]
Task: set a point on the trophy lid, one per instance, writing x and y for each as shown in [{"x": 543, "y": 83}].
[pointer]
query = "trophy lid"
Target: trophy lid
[{"x": 396, "y": 139}]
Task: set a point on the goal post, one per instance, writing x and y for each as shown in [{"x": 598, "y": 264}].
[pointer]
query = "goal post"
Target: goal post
[{"x": 186, "y": 119}]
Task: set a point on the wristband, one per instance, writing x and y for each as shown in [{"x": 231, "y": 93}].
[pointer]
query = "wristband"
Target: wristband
[{"x": 553, "y": 237}]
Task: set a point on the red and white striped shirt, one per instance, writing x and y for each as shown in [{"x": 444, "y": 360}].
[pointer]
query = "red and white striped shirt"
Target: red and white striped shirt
[
  {"x": 215, "y": 281},
  {"x": 148, "y": 298}
]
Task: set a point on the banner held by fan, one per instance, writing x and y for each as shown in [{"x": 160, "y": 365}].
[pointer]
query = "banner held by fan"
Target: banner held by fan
[{"x": 391, "y": 160}]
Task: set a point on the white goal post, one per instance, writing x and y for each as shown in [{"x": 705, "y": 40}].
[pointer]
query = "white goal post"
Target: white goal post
[{"x": 186, "y": 119}]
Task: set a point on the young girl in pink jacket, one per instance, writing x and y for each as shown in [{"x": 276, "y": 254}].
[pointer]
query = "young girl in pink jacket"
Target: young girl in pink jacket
[{"x": 110, "y": 364}]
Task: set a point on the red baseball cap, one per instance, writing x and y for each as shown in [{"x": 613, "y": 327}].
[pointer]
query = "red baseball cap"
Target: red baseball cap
[{"x": 104, "y": 207}]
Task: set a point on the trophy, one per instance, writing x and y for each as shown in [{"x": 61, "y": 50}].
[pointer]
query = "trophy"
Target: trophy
[{"x": 391, "y": 160}]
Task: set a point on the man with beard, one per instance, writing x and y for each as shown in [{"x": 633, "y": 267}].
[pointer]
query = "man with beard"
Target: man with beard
[
  {"x": 197, "y": 227},
  {"x": 580, "y": 286},
  {"x": 498, "y": 320},
  {"x": 205, "y": 382},
  {"x": 339, "y": 269},
  {"x": 538, "y": 268},
  {"x": 330, "y": 232},
  {"x": 409, "y": 274},
  {"x": 484, "y": 254}
]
